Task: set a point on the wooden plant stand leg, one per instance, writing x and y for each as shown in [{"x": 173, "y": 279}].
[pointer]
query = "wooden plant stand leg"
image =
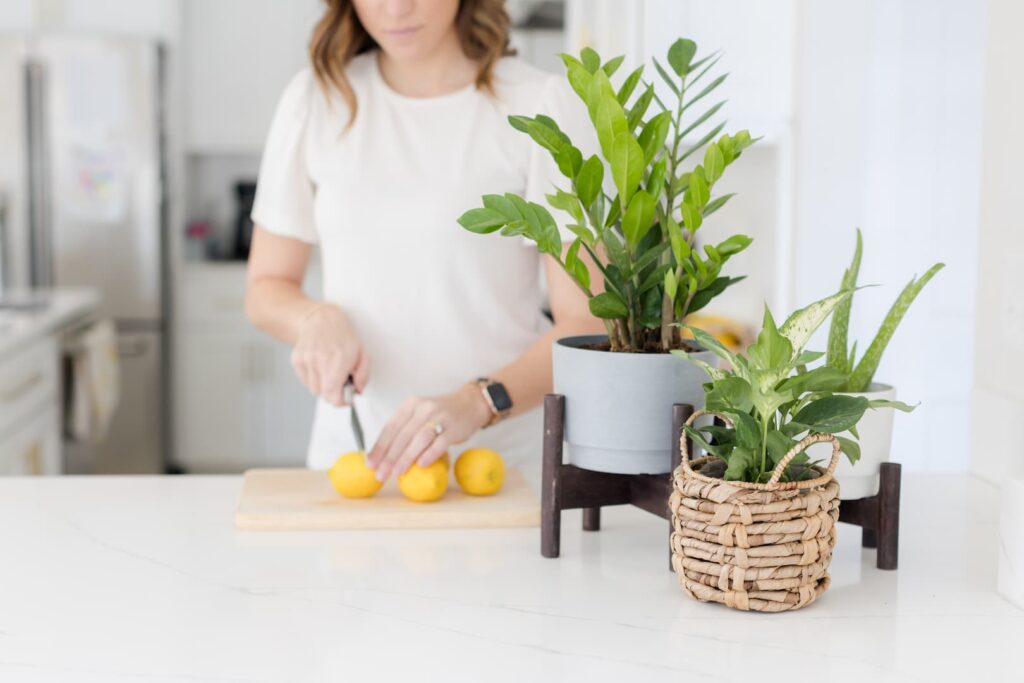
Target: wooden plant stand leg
[
  {"x": 879, "y": 516},
  {"x": 567, "y": 487}
]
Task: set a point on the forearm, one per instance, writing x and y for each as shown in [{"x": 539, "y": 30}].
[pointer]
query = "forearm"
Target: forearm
[{"x": 278, "y": 307}]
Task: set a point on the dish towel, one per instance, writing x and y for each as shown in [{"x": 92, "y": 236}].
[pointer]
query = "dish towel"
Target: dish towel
[{"x": 95, "y": 383}]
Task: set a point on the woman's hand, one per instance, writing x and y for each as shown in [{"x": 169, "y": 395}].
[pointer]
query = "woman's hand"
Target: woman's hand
[
  {"x": 410, "y": 435},
  {"x": 327, "y": 352}
]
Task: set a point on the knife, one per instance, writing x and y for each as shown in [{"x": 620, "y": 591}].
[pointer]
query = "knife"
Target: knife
[{"x": 357, "y": 427}]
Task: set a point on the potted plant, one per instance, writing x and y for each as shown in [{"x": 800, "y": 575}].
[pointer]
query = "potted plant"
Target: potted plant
[
  {"x": 875, "y": 430},
  {"x": 754, "y": 521},
  {"x": 641, "y": 230}
]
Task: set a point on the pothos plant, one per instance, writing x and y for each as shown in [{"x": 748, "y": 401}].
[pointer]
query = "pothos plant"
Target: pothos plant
[
  {"x": 860, "y": 373},
  {"x": 773, "y": 400},
  {"x": 642, "y": 237}
]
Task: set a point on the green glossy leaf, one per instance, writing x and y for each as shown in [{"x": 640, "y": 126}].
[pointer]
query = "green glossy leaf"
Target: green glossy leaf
[
  {"x": 653, "y": 279},
  {"x": 714, "y": 163},
  {"x": 838, "y": 355},
  {"x": 669, "y": 81},
  {"x": 885, "y": 403},
  {"x": 733, "y": 245},
  {"x": 730, "y": 394},
  {"x": 591, "y": 60},
  {"x": 652, "y": 137},
  {"x": 799, "y": 327},
  {"x": 656, "y": 178},
  {"x": 697, "y": 194},
  {"x": 701, "y": 119},
  {"x": 583, "y": 232},
  {"x": 627, "y": 162},
  {"x": 832, "y": 414},
  {"x": 680, "y": 247},
  {"x": 778, "y": 445},
  {"x": 713, "y": 372},
  {"x": 575, "y": 266},
  {"x": 589, "y": 180},
  {"x": 710, "y": 135},
  {"x": 740, "y": 460},
  {"x": 639, "y": 108},
  {"x": 568, "y": 203},
  {"x": 606, "y": 113},
  {"x": 851, "y": 448},
  {"x": 608, "y": 306},
  {"x": 680, "y": 54},
  {"x": 629, "y": 85},
  {"x": 703, "y": 93},
  {"x": 692, "y": 217},
  {"x": 577, "y": 74},
  {"x": 613, "y": 64},
  {"x": 482, "y": 220},
  {"x": 717, "y": 203},
  {"x": 704, "y": 296},
  {"x": 671, "y": 284},
  {"x": 637, "y": 219},
  {"x": 569, "y": 160},
  {"x": 772, "y": 350},
  {"x": 503, "y": 204}
]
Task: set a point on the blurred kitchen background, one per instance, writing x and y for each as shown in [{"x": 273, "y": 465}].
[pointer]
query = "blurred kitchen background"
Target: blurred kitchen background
[{"x": 131, "y": 132}]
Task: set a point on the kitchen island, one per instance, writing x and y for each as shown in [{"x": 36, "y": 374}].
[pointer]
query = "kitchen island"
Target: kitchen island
[{"x": 145, "y": 579}]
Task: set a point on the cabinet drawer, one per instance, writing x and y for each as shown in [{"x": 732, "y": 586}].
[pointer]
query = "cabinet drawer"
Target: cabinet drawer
[
  {"x": 34, "y": 446},
  {"x": 28, "y": 381}
]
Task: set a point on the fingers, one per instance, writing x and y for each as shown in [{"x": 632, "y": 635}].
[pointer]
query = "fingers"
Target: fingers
[
  {"x": 433, "y": 453},
  {"x": 361, "y": 372},
  {"x": 389, "y": 432},
  {"x": 420, "y": 442},
  {"x": 332, "y": 381},
  {"x": 402, "y": 441},
  {"x": 306, "y": 372}
]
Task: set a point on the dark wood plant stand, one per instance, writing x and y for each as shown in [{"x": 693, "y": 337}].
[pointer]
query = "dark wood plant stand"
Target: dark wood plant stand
[
  {"x": 567, "y": 487},
  {"x": 879, "y": 517}
]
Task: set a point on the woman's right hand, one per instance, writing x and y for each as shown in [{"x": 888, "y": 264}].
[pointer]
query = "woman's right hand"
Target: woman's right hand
[{"x": 327, "y": 352}]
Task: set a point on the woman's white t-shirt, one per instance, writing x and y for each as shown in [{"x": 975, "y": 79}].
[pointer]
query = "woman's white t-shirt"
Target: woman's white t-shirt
[{"x": 434, "y": 305}]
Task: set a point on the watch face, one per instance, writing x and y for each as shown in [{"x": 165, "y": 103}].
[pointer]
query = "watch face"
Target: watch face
[{"x": 499, "y": 397}]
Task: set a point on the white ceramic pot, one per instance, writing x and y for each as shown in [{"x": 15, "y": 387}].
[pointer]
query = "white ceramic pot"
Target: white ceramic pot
[
  {"x": 618, "y": 406},
  {"x": 875, "y": 429}
]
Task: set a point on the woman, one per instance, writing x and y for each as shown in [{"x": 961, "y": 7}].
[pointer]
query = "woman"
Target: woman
[{"x": 398, "y": 127}]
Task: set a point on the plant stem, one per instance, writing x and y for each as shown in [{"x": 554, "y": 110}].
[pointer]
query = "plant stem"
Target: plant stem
[{"x": 669, "y": 332}]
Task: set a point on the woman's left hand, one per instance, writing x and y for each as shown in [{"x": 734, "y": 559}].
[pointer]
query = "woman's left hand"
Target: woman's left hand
[{"x": 410, "y": 436}]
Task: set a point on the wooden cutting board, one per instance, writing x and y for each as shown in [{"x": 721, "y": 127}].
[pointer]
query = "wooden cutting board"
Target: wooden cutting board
[{"x": 301, "y": 499}]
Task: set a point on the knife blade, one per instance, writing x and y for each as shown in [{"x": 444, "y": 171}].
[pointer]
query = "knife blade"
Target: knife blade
[{"x": 357, "y": 427}]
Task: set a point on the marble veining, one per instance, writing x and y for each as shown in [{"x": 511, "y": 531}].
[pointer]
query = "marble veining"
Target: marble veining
[{"x": 145, "y": 579}]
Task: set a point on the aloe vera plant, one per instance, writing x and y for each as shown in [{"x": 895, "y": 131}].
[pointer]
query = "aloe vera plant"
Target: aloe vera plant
[
  {"x": 773, "y": 400},
  {"x": 860, "y": 373},
  {"x": 643, "y": 236}
]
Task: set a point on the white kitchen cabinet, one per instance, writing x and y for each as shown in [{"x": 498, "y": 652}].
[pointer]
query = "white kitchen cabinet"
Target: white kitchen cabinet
[
  {"x": 238, "y": 56},
  {"x": 238, "y": 404},
  {"x": 30, "y": 437}
]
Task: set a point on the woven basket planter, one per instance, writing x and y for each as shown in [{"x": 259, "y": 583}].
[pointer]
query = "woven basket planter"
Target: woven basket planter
[{"x": 761, "y": 547}]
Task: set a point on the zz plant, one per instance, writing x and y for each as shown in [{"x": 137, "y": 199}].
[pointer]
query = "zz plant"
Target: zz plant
[
  {"x": 643, "y": 236},
  {"x": 774, "y": 400},
  {"x": 859, "y": 374}
]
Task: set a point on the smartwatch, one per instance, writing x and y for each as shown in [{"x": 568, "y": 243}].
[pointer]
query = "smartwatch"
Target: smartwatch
[{"x": 497, "y": 399}]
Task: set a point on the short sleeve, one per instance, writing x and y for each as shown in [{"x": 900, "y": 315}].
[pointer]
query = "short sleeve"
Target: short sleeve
[
  {"x": 543, "y": 176},
  {"x": 284, "y": 188}
]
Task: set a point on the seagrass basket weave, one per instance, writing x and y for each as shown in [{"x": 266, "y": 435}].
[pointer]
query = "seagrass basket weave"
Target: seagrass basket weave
[{"x": 752, "y": 546}]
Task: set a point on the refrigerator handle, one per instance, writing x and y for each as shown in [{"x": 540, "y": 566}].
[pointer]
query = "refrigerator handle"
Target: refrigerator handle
[{"x": 39, "y": 206}]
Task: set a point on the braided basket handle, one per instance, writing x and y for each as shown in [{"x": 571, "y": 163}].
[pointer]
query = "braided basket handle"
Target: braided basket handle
[{"x": 780, "y": 468}]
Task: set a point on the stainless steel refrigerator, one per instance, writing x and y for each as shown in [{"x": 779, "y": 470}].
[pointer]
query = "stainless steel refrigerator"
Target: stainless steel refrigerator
[{"x": 82, "y": 170}]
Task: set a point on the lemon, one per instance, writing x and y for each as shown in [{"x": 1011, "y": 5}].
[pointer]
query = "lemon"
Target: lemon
[
  {"x": 480, "y": 471},
  {"x": 425, "y": 484},
  {"x": 352, "y": 477}
]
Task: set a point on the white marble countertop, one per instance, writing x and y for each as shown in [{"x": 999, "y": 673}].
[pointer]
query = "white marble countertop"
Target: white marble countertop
[
  {"x": 145, "y": 579},
  {"x": 62, "y": 307}
]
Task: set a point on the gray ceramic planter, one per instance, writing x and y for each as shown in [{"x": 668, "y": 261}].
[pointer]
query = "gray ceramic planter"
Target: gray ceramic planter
[{"x": 618, "y": 406}]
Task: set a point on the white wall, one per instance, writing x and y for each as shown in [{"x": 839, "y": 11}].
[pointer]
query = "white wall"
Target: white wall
[
  {"x": 889, "y": 127},
  {"x": 998, "y": 393}
]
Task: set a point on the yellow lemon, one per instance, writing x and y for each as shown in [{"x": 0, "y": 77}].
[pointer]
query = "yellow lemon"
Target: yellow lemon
[
  {"x": 425, "y": 484},
  {"x": 352, "y": 477},
  {"x": 480, "y": 471}
]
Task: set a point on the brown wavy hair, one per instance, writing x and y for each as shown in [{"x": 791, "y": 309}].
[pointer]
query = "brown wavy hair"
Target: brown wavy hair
[{"x": 482, "y": 27}]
